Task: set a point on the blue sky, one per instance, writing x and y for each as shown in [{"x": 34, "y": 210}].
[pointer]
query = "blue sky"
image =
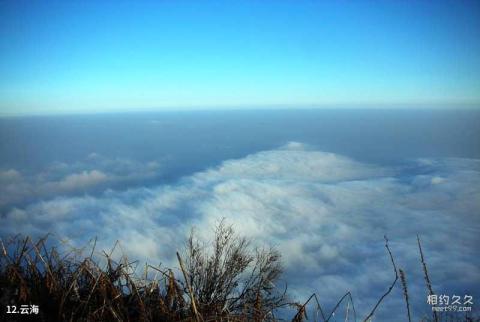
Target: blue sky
[{"x": 58, "y": 57}]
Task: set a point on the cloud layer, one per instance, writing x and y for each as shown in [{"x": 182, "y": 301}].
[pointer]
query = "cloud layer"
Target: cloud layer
[
  {"x": 93, "y": 174},
  {"x": 326, "y": 213}
]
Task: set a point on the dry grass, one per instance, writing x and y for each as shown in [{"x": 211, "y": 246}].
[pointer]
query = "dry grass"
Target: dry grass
[
  {"x": 232, "y": 282},
  {"x": 227, "y": 280},
  {"x": 403, "y": 279}
]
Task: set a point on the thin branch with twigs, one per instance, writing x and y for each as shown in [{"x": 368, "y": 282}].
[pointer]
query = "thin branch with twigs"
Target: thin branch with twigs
[{"x": 391, "y": 286}]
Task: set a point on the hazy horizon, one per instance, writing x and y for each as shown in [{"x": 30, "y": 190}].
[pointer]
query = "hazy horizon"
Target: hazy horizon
[{"x": 254, "y": 108}]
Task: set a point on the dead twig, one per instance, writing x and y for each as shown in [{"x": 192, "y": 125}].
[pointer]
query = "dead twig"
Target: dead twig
[{"x": 391, "y": 286}]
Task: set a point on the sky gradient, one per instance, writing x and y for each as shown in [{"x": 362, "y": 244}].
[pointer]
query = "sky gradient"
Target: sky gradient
[{"x": 58, "y": 57}]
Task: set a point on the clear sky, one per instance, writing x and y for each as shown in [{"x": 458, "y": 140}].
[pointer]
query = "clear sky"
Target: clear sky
[{"x": 115, "y": 55}]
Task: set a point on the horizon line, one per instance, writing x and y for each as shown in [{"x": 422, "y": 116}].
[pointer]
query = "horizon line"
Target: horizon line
[{"x": 252, "y": 107}]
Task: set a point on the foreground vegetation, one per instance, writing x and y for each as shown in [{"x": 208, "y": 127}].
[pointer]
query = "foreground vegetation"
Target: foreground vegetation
[{"x": 228, "y": 281}]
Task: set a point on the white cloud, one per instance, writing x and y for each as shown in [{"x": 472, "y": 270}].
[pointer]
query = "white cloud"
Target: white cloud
[
  {"x": 327, "y": 214},
  {"x": 294, "y": 161},
  {"x": 437, "y": 180},
  {"x": 80, "y": 180},
  {"x": 9, "y": 175},
  {"x": 95, "y": 172}
]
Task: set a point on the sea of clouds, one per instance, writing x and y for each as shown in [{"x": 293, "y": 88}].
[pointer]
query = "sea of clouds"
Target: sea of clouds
[{"x": 327, "y": 214}]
